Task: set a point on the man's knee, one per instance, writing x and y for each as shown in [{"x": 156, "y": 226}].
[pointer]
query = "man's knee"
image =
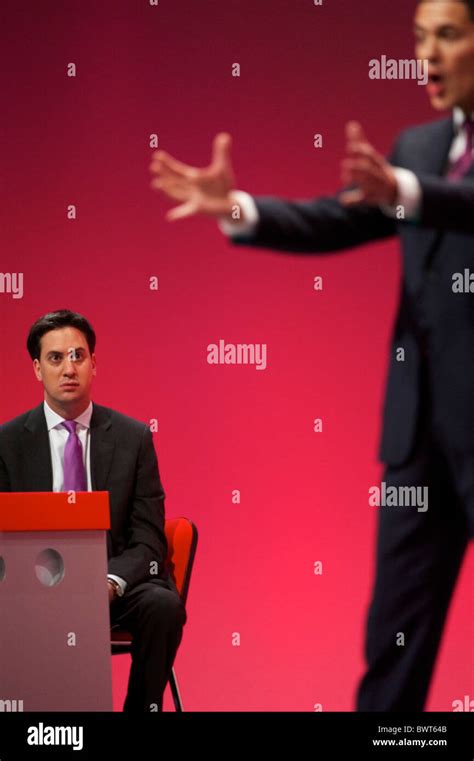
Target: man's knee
[{"x": 164, "y": 607}]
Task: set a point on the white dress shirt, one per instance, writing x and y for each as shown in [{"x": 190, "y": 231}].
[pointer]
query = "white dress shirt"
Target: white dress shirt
[
  {"x": 58, "y": 436},
  {"x": 409, "y": 189}
]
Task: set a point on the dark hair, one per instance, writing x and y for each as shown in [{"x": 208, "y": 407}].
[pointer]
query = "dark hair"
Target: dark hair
[
  {"x": 470, "y": 5},
  {"x": 62, "y": 318}
]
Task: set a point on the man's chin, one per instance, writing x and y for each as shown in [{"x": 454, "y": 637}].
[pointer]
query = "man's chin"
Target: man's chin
[
  {"x": 71, "y": 396},
  {"x": 442, "y": 103}
]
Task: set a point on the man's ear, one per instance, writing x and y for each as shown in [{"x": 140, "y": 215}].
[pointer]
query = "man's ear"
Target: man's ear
[
  {"x": 94, "y": 364},
  {"x": 37, "y": 369}
]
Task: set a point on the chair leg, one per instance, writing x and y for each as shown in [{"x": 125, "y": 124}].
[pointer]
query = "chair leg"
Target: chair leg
[{"x": 178, "y": 703}]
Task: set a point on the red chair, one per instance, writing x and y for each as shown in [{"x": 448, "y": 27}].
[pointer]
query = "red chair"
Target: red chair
[{"x": 181, "y": 535}]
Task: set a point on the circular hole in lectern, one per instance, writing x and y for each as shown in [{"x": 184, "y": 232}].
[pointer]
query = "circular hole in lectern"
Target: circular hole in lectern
[
  {"x": 2, "y": 569},
  {"x": 49, "y": 568}
]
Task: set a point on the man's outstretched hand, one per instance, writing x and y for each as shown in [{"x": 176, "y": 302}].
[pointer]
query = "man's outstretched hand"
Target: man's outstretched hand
[
  {"x": 200, "y": 191},
  {"x": 369, "y": 170}
]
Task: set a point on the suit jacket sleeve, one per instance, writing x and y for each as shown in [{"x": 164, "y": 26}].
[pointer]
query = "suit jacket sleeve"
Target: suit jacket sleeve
[
  {"x": 447, "y": 205},
  {"x": 145, "y": 539},
  {"x": 318, "y": 225}
]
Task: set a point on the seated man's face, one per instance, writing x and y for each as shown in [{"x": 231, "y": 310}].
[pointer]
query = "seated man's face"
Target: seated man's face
[
  {"x": 444, "y": 33},
  {"x": 65, "y": 367}
]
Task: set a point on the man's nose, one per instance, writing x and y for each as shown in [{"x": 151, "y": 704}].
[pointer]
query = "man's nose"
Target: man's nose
[
  {"x": 69, "y": 367},
  {"x": 429, "y": 49}
]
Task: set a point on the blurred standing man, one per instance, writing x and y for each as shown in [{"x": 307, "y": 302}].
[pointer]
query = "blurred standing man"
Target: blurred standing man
[{"x": 428, "y": 431}]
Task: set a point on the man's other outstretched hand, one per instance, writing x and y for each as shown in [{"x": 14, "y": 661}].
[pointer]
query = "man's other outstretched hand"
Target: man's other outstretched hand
[{"x": 368, "y": 170}]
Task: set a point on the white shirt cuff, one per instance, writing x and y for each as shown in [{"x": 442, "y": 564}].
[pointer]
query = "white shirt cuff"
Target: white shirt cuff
[
  {"x": 249, "y": 216},
  {"x": 121, "y": 582},
  {"x": 409, "y": 194}
]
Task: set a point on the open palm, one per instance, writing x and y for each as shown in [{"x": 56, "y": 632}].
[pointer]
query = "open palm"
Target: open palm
[{"x": 200, "y": 191}]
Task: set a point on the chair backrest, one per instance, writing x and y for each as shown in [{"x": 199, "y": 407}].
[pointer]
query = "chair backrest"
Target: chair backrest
[{"x": 181, "y": 535}]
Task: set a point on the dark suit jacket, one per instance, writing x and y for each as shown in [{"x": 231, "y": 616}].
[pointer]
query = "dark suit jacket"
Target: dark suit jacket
[
  {"x": 123, "y": 462},
  {"x": 438, "y": 245}
]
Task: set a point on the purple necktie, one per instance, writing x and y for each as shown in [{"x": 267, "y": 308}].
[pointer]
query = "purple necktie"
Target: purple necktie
[
  {"x": 74, "y": 471},
  {"x": 462, "y": 165}
]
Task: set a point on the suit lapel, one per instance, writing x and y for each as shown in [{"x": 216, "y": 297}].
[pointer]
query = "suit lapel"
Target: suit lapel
[
  {"x": 433, "y": 154},
  {"x": 433, "y": 158},
  {"x": 38, "y": 473},
  {"x": 102, "y": 447}
]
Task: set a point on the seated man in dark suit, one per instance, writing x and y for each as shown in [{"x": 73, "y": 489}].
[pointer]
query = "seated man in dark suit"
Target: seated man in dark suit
[
  {"x": 69, "y": 443},
  {"x": 424, "y": 194}
]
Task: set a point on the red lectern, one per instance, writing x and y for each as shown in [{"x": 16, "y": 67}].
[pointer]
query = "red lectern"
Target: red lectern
[{"x": 54, "y": 608}]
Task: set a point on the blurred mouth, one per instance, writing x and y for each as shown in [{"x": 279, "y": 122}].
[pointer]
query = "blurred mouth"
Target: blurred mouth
[
  {"x": 436, "y": 86},
  {"x": 69, "y": 386}
]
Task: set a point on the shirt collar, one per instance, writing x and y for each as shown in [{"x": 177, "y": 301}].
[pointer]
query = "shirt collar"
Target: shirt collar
[
  {"x": 459, "y": 118},
  {"x": 53, "y": 420}
]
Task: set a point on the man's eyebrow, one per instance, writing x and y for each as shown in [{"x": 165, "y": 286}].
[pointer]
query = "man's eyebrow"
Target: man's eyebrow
[
  {"x": 442, "y": 28},
  {"x": 69, "y": 351}
]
